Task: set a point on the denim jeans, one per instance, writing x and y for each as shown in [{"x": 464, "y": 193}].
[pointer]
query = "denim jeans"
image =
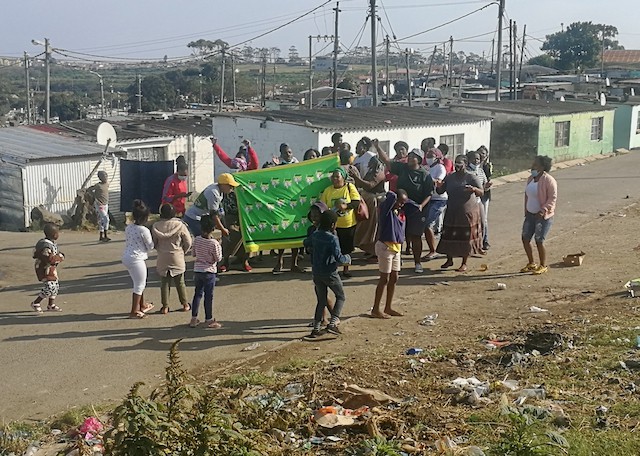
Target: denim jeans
[
  {"x": 205, "y": 283},
  {"x": 322, "y": 285}
]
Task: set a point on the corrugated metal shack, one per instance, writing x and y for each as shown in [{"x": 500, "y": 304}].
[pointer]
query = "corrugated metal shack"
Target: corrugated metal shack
[{"x": 40, "y": 167}]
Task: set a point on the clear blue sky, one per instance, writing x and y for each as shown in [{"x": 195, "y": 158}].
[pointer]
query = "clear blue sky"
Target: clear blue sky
[{"x": 153, "y": 28}]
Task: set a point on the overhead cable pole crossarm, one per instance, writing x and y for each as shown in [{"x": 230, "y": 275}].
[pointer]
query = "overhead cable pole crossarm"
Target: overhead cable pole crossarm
[
  {"x": 374, "y": 73},
  {"x": 499, "y": 50}
]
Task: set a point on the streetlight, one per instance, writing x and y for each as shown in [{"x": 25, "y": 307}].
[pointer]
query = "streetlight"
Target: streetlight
[
  {"x": 101, "y": 93},
  {"x": 47, "y": 58}
]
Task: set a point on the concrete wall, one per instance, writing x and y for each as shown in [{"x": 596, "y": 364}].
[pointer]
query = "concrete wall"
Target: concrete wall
[
  {"x": 11, "y": 201},
  {"x": 626, "y": 134},
  {"x": 266, "y": 140},
  {"x": 634, "y": 142},
  {"x": 580, "y": 143}
]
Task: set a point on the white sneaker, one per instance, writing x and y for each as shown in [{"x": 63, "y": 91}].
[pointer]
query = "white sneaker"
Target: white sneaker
[{"x": 418, "y": 269}]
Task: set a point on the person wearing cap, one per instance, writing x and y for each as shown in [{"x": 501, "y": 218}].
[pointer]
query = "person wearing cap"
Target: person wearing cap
[
  {"x": 438, "y": 203},
  {"x": 175, "y": 191},
  {"x": 416, "y": 181},
  {"x": 208, "y": 203},
  {"x": 100, "y": 194},
  {"x": 232, "y": 235},
  {"x": 245, "y": 159}
]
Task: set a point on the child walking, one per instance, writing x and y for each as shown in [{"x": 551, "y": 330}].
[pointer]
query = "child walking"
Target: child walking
[
  {"x": 314, "y": 214},
  {"x": 172, "y": 240},
  {"x": 47, "y": 257},
  {"x": 326, "y": 258},
  {"x": 207, "y": 252}
]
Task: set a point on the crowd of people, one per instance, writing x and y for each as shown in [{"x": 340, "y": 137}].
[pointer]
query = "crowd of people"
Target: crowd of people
[{"x": 374, "y": 202}]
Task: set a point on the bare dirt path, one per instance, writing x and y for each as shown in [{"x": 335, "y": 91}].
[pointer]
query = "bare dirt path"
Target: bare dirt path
[{"x": 92, "y": 353}]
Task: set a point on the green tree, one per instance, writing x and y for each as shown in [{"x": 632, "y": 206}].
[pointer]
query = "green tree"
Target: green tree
[
  {"x": 64, "y": 106},
  {"x": 203, "y": 47},
  {"x": 349, "y": 83},
  {"x": 579, "y": 46},
  {"x": 157, "y": 94},
  {"x": 544, "y": 60}
]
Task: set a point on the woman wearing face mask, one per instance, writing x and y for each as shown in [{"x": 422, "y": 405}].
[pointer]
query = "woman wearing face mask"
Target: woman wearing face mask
[
  {"x": 175, "y": 191},
  {"x": 438, "y": 202},
  {"x": 487, "y": 167},
  {"x": 540, "y": 196},
  {"x": 461, "y": 232},
  {"x": 475, "y": 167}
]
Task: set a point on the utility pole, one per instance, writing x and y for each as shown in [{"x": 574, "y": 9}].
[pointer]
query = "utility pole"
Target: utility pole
[
  {"x": 515, "y": 60},
  {"x": 139, "y": 94},
  {"x": 407, "y": 51},
  {"x": 374, "y": 73},
  {"x": 264, "y": 81},
  {"x": 511, "y": 59},
  {"x": 200, "y": 78},
  {"x": 111, "y": 100},
  {"x": 233, "y": 79},
  {"x": 433, "y": 56},
  {"x": 602, "y": 55},
  {"x": 493, "y": 45},
  {"x": 386, "y": 67},
  {"x": 47, "y": 64},
  {"x": 101, "y": 93},
  {"x": 524, "y": 37},
  {"x": 222, "y": 80},
  {"x": 310, "y": 99},
  {"x": 499, "y": 49},
  {"x": 336, "y": 49},
  {"x": 450, "y": 71},
  {"x": 27, "y": 86}
]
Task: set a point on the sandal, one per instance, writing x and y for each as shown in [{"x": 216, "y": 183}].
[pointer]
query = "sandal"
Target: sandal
[
  {"x": 247, "y": 268},
  {"x": 164, "y": 310},
  {"x": 212, "y": 324},
  {"x": 53, "y": 308},
  {"x": 148, "y": 308},
  {"x": 194, "y": 323},
  {"x": 186, "y": 307},
  {"x": 222, "y": 268},
  {"x": 298, "y": 269},
  {"x": 138, "y": 315},
  {"x": 36, "y": 307}
]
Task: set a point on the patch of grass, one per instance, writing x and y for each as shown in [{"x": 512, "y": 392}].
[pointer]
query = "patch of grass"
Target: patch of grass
[
  {"x": 72, "y": 418},
  {"x": 16, "y": 437},
  {"x": 379, "y": 446},
  {"x": 588, "y": 442},
  {"x": 294, "y": 365},
  {"x": 250, "y": 378}
]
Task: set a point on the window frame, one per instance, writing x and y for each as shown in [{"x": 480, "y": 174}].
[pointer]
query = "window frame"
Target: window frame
[
  {"x": 599, "y": 128},
  {"x": 562, "y": 137},
  {"x": 455, "y": 148}
]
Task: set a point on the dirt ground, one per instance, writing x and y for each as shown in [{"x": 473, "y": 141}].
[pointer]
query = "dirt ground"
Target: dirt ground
[{"x": 91, "y": 353}]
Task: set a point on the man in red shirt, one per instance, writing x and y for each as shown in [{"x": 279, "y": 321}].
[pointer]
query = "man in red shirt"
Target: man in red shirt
[
  {"x": 448, "y": 164},
  {"x": 175, "y": 187}
]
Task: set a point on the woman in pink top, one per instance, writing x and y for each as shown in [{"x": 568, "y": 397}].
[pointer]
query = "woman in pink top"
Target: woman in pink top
[{"x": 540, "y": 196}]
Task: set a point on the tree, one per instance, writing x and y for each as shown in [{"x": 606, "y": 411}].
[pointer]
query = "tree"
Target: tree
[
  {"x": 579, "y": 46},
  {"x": 350, "y": 83},
  {"x": 203, "y": 47},
  {"x": 294, "y": 57},
  {"x": 64, "y": 106},
  {"x": 157, "y": 93},
  {"x": 544, "y": 60}
]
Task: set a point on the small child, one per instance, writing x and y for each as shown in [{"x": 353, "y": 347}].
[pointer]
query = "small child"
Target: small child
[
  {"x": 47, "y": 259},
  {"x": 207, "y": 252},
  {"x": 100, "y": 193},
  {"x": 326, "y": 258},
  {"x": 315, "y": 211}
]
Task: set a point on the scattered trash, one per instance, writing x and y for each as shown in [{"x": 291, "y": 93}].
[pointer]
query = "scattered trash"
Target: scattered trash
[
  {"x": 355, "y": 397},
  {"x": 251, "y": 347},
  {"x": 637, "y": 341},
  {"x": 414, "y": 351},
  {"x": 498, "y": 343},
  {"x": 507, "y": 385},
  {"x": 536, "y": 309},
  {"x": 574, "y": 259},
  {"x": 316, "y": 440},
  {"x": 630, "y": 364},
  {"x": 535, "y": 393},
  {"x": 56, "y": 432},
  {"x": 601, "y": 417},
  {"x": 399, "y": 333},
  {"x": 429, "y": 320},
  {"x": 484, "y": 267},
  {"x": 335, "y": 416},
  {"x": 469, "y": 391},
  {"x": 543, "y": 341},
  {"x": 501, "y": 286},
  {"x": 633, "y": 286}
]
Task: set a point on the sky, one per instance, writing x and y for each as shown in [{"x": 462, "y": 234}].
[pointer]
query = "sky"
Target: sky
[{"x": 150, "y": 29}]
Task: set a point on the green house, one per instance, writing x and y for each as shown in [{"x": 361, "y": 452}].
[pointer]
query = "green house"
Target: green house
[{"x": 522, "y": 129}]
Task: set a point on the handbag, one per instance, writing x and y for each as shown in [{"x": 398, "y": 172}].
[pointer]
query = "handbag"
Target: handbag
[{"x": 362, "y": 213}]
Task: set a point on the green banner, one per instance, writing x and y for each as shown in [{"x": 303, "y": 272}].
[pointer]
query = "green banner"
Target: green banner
[{"x": 273, "y": 203}]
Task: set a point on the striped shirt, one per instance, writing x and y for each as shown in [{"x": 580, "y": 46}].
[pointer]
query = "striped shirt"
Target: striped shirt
[{"x": 207, "y": 252}]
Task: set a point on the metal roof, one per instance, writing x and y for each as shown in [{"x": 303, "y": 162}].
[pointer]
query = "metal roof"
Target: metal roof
[
  {"x": 535, "y": 107},
  {"x": 24, "y": 144},
  {"x": 621, "y": 56},
  {"x": 361, "y": 118},
  {"x": 141, "y": 128}
]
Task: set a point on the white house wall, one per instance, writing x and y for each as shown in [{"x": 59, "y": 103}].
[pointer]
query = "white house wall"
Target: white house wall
[
  {"x": 634, "y": 140},
  {"x": 266, "y": 141}
]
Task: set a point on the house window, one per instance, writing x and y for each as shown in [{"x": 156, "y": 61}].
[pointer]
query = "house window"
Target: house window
[
  {"x": 562, "y": 133},
  {"x": 597, "y": 124},
  {"x": 455, "y": 143},
  {"x": 638, "y": 125}
]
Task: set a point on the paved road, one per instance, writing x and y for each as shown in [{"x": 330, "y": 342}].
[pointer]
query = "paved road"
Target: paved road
[{"x": 92, "y": 353}]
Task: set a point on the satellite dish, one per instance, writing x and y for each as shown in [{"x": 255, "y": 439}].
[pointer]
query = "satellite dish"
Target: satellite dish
[
  {"x": 392, "y": 89},
  {"x": 106, "y": 135},
  {"x": 586, "y": 78},
  {"x": 603, "y": 99},
  {"x": 562, "y": 98},
  {"x": 348, "y": 104},
  {"x": 607, "y": 82},
  {"x": 633, "y": 92},
  {"x": 384, "y": 89}
]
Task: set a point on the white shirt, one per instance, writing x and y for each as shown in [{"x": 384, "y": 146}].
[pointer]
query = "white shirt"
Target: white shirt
[
  {"x": 362, "y": 162},
  {"x": 206, "y": 203},
  {"x": 138, "y": 243},
  {"x": 438, "y": 172},
  {"x": 533, "y": 203}
]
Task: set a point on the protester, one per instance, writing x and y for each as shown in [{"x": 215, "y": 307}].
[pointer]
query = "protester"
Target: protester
[
  {"x": 462, "y": 232},
  {"x": 207, "y": 252},
  {"x": 475, "y": 167},
  {"x": 100, "y": 194},
  {"x": 336, "y": 143},
  {"x": 208, "y": 203},
  {"x": 448, "y": 164},
  {"x": 314, "y": 214},
  {"x": 138, "y": 244},
  {"x": 438, "y": 203},
  {"x": 310, "y": 154},
  {"x": 245, "y": 159},
  {"x": 326, "y": 150},
  {"x": 346, "y": 160},
  {"x": 175, "y": 191},
  {"x": 371, "y": 189},
  {"x": 232, "y": 236},
  {"x": 426, "y": 145},
  {"x": 326, "y": 257},
  {"x": 540, "y": 196},
  {"x": 487, "y": 167},
  {"x": 402, "y": 150},
  {"x": 343, "y": 198},
  {"x": 417, "y": 182},
  {"x": 389, "y": 247},
  {"x": 286, "y": 156},
  {"x": 172, "y": 240},
  {"x": 47, "y": 257},
  {"x": 363, "y": 155}
]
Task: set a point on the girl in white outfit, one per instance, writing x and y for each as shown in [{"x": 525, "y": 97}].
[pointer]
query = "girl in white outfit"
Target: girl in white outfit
[{"x": 138, "y": 243}]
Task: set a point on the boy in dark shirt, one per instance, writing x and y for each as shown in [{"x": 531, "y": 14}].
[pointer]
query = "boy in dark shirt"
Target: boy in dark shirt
[
  {"x": 47, "y": 259},
  {"x": 325, "y": 258}
]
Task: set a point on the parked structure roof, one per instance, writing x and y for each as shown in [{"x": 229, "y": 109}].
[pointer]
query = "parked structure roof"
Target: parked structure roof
[
  {"x": 24, "y": 144},
  {"x": 362, "y": 118},
  {"x": 613, "y": 56},
  {"x": 535, "y": 107}
]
